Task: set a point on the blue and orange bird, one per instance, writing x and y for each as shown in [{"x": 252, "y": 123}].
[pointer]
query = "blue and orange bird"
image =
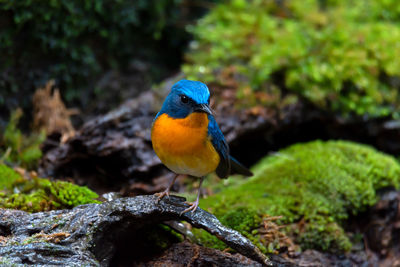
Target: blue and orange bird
[{"x": 187, "y": 139}]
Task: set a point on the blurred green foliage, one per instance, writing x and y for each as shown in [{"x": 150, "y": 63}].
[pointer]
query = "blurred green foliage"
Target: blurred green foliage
[
  {"x": 315, "y": 187},
  {"x": 8, "y": 176},
  {"x": 340, "y": 55},
  {"x": 39, "y": 194},
  {"x": 75, "y": 41},
  {"x": 17, "y": 148}
]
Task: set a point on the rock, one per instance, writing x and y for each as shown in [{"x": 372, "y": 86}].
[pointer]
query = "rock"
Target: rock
[
  {"x": 88, "y": 235},
  {"x": 189, "y": 254}
]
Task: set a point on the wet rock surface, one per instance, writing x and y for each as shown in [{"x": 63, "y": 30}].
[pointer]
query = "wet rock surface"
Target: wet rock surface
[{"x": 88, "y": 235}]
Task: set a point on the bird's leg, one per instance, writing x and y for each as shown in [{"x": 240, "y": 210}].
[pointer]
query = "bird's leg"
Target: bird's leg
[
  {"x": 194, "y": 205},
  {"x": 161, "y": 195}
]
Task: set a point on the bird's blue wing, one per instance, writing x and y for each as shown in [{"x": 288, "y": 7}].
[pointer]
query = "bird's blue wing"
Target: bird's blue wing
[
  {"x": 219, "y": 143},
  {"x": 158, "y": 114}
]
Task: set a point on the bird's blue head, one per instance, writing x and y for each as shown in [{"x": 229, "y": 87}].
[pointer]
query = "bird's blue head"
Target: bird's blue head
[{"x": 185, "y": 98}]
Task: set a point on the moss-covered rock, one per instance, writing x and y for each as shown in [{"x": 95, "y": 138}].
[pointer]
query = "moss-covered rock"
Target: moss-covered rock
[
  {"x": 314, "y": 187},
  {"x": 337, "y": 54},
  {"x": 39, "y": 194}
]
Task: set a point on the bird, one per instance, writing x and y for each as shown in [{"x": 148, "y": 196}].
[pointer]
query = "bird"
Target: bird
[{"x": 187, "y": 139}]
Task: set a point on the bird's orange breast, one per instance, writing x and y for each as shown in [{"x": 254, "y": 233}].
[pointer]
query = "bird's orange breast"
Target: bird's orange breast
[{"x": 183, "y": 145}]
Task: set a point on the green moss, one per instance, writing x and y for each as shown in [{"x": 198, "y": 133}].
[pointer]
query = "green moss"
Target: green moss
[
  {"x": 18, "y": 148},
  {"x": 314, "y": 186},
  {"x": 70, "y": 195},
  {"x": 39, "y": 194},
  {"x": 337, "y": 54},
  {"x": 7, "y": 177}
]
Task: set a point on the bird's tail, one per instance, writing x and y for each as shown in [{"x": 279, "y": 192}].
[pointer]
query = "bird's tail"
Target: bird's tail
[{"x": 237, "y": 168}]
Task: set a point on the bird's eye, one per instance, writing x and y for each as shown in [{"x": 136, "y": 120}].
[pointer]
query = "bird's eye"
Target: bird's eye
[{"x": 184, "y": 99}]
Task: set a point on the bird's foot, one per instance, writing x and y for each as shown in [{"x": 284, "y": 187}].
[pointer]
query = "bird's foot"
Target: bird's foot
[
  {"x": 161, "y": 195},
  {"x": 193, "y": 207}
]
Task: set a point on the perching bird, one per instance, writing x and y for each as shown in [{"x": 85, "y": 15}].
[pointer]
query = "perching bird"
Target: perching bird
[{"x": 187, "y": 139}]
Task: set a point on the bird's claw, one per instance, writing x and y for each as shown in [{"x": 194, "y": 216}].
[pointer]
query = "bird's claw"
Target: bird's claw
[
  {"x": 161, "y": 195},
  {"x": 193, "y": 207}
]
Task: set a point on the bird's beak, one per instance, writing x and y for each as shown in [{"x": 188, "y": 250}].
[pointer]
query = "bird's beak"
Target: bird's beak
[{"x": 203, "y": 108}]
